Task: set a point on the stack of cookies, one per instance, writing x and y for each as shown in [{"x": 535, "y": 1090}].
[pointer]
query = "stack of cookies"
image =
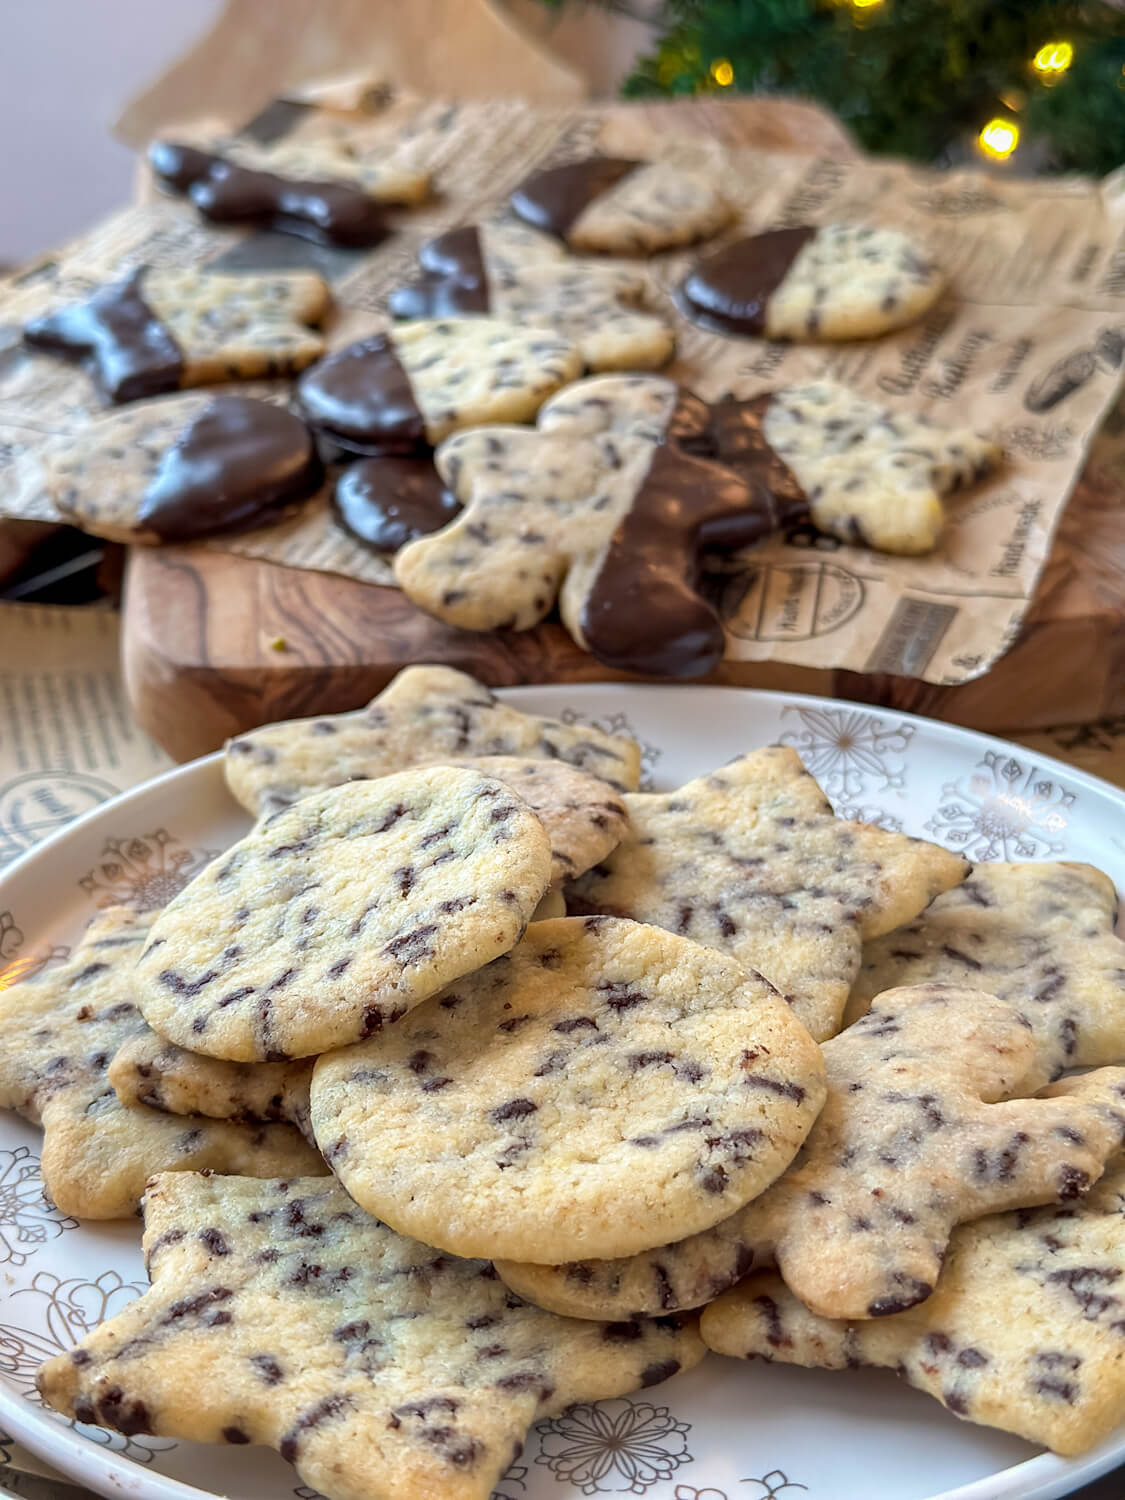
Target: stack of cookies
[
  {"x": 500, "y": 438},
  {"x": 426, "y": 1161}
]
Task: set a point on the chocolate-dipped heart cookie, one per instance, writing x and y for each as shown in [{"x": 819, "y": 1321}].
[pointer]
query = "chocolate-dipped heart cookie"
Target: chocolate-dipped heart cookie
[
  {"x": 407, "y": 389},
  {"x": 184, "y": 467},
  {"x": 157, "y": 330},
  {"x": 621, "y": 206},
  {"x": 598, "y": 307},
  {"x": 605, "y": 505},
  {"x": 841, "y": 281}
]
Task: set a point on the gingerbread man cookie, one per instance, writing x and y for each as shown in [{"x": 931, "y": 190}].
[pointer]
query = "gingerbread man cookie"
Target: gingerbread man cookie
[{"x": 607, "y": 506}]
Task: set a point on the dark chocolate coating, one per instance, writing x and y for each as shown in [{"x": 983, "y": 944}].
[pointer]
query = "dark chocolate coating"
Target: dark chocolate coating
[
  {"x": 736, "y": 427},
  {"x": 644, "y": 612},
  {"x": 453, "y": 281},
  {"x": 235, "y": 466},
  {"x": 129, "y": 351},
  {"x": 334, "y": 213},
  {"x": 387, "y": 502},
  {"x": 361, "y": 397},
  {"x": 553, "y": 199},
  {"x": 729, "y": 289}
]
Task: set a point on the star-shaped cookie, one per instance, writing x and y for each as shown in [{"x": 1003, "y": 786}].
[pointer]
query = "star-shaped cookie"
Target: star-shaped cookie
[
  {"x": 159, "y": 330},
  {"x": 874, "y": 477},
  {"x": 752, "y": 860},
  {"x": 599, "y": 308},
  {"x": 374, "y": 1364},
  {"x": 426, "y": 714},
  {"x": 1023, "y": 1331},
  {"x": 61, "y": 1032},
  {"x": 1039, "y": 935}
]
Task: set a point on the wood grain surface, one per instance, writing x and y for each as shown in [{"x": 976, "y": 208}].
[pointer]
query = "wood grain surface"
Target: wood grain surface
[{"x": 214, "y": 644}]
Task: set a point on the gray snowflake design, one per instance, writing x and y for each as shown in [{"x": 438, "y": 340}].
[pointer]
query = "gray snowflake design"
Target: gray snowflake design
[
  {"x": 619, "y": 724},
  {"x": 144, "y": 872},
  {"x": 869, "y": 812},
  {"x": 27, "y": 1218},
  {"x": 64, "y": 1311},
  {"x": 850, "y": 752},
  {"x": 616, "y": 1447},
  {"x": 1003, "y": 810},
  {"x": 509, "y": 1483},
  {"x": 773, "y": 1483}
]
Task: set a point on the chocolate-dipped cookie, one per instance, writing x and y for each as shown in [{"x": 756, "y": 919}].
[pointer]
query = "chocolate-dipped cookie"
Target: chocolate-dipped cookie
[
  {"x": 841, "y": 281},
  {"x": 388, "y": 501},
  {"x": 409, "y": 388},
  {"x": 156, "y": 330},
  {"x": 598, "y": 307},
  {"x": 183, "y": 467},
  {"x": 314, "y": 190},
  {"x": 606, "y": 505},
  {"x": 621, "y": 206}
]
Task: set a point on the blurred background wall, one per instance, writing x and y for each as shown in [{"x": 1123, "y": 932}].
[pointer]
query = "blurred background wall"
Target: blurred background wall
[{"x": 66, "y": 68}]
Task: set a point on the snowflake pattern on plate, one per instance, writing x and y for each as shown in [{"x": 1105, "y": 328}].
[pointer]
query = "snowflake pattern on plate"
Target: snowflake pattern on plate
[
  {"x": 1003, "y": 810},
  {"x": 144, "y": 872},
  {"x": 689, "y": 1492},
  {"x": 27, "y": 1218},
  {"x": 514, "y": 1480},
  {"x": 619, "y": 724},
  {"x": 771, "y": 1484},
  {"x": 66, "y": 1312},
  {"x": 869, "y": 812},
  {"x": 616, "y": 1447},
  {"x": 851, "y": 753}
]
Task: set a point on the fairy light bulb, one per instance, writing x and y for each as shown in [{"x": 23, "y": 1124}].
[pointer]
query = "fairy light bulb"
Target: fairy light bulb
[
  {"x": 722, "y": 72},
  {"x": 999, "y": 138},
  {"x": 1053, "y": 58}
]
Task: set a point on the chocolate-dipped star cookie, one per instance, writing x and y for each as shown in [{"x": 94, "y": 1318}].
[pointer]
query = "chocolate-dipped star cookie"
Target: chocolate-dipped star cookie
[
  {"x": 873, "y": 477},
  {"x": 1040, "y": 936},
  {"x": 622, "y": 206},
  {"x": 60, "y": 1034},
  {"x": 374, "y": 1364},
  {"x": 409, "y": 388},
  {"x": 157, "y": 331},
  {"x": 183, "y": 467},
  {"x": 598, "y": 307},
  {"x": 310, "y": 190},
  {"x": 910, "y": 1143},
  {"x": 607, "y": 506},
  {"x": 427, "y": 714},
  {"x": 1023, "y": 1331},
  {"x": 841, "y": 281},
  {"x": 752, "y": 860}
]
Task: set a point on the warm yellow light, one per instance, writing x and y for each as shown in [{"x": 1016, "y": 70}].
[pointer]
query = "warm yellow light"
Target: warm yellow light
[
  {"x": 15, "y": 971},
  {"x": 865, "y": 4},
  {"x": 722, "y": 73},
  {"x": 999, "y": 138},
  {"x": 1053, "y": 57}
]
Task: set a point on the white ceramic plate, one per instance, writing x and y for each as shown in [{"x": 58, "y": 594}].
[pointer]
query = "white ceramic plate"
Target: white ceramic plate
[{"x": 726, "y": 1431}]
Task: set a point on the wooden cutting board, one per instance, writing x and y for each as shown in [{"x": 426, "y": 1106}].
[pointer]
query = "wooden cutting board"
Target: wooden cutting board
[{"x": 214, "y": 644}]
